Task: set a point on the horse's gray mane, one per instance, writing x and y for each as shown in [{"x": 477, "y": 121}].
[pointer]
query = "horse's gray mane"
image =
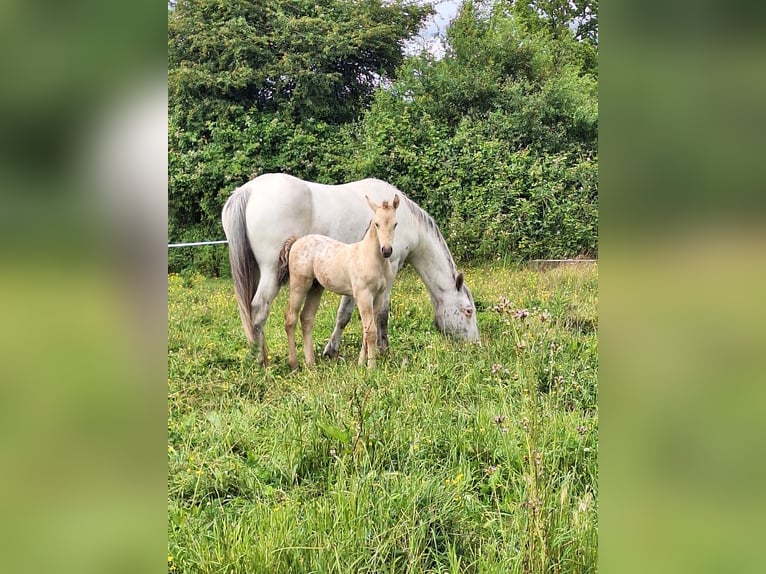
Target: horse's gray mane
[{"x": 427, "y": 222}]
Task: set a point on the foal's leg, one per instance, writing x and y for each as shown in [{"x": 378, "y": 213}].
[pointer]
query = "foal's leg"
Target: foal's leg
[
  {"x": 345, "y": 310},
  {"x": 268, "y": 288},
  {"x": 308, "y": 315},
  {"x": 298, "y": 289},
  {"x": 369, "y": 330}
]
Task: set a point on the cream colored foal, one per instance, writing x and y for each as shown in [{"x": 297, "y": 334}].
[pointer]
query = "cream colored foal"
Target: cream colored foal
[{"x": 361, "y": 270}]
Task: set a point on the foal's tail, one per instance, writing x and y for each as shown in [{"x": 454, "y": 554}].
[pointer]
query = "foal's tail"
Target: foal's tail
[
  {"x": 283, "y": 268},
  {"x": 244, "y": 268}
]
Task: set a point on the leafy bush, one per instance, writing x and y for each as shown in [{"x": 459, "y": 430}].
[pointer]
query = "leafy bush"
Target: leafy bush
[{"x": 497, "y": 140}]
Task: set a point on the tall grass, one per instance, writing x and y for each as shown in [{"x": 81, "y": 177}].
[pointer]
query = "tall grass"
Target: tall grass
[{"x": 447, "y": 458}]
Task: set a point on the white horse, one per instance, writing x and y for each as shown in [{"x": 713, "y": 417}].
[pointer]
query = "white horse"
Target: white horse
[
  {"x": 260, "y": 216},
  {"x": 360, "y": 270}
]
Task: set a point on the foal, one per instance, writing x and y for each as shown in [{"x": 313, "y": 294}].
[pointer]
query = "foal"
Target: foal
[{"x": 361, "y": 270}]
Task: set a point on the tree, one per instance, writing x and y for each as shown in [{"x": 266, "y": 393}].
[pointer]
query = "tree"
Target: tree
[
  {"x": 498, "y": 139},
  {"x": 558, "y": 16},
  {"x": 267, "y": 85},
  {"x": 318, "y": 59}
]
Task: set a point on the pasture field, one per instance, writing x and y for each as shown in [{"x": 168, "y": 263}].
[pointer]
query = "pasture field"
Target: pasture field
[{"x": 450, "y": 457}]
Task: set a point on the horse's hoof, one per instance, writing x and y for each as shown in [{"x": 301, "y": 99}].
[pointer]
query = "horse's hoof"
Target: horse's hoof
[{"x": 330, "y": 352}]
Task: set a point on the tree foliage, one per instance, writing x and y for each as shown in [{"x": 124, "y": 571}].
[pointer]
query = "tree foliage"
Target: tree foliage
[
  {"x": 497, "y": 139},
  {"x": 257, "y": 85},
  {"x": 310, "y": 60}
]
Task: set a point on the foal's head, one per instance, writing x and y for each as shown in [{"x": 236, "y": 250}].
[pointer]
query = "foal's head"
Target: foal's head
[{"x": 384, "y": 223}]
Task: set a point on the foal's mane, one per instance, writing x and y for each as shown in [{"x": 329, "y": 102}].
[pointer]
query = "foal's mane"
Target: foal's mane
[{"x": 428, "y": 225}]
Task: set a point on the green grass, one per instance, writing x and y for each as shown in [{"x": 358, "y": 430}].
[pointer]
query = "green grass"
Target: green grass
[{"x": 448, "y": 458}]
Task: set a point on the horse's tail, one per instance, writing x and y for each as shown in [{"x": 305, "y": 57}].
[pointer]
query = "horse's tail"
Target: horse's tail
[
  {"x": 244, "y": 268},
  {"x": 283, "y": 268}
]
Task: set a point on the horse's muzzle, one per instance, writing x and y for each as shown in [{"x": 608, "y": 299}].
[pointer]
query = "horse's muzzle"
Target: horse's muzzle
[{"x": 386, "y": 251}]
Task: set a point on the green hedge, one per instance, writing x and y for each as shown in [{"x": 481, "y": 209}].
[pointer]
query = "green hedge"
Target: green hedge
[{"x": 497, "y": 140}]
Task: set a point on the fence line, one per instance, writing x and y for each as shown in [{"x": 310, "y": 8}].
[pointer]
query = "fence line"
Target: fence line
[
  {"x": 196, "y": 243},
  {"x": 533, "y": 262}
]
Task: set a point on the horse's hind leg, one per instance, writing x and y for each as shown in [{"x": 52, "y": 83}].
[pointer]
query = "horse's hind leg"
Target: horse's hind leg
[
  {"x": 345, "y": 310},
  {"x": 268, "y": 288},
  {"x": 310, "y": 308}
]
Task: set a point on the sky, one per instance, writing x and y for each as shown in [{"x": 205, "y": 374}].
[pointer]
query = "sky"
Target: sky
[{"x": 431, "y": 34}]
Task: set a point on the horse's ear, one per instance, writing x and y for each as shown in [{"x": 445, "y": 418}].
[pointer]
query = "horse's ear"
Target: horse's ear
[
  {"x": 371, "y": 203},
  {"x": 459, "y": 281},
  {"x": 396, "y": 201}
]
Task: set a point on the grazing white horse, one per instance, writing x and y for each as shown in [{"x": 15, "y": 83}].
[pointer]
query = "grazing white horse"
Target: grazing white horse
[
  {"x": 360, "y": 270},
  {"x": 261, "y": 215}
]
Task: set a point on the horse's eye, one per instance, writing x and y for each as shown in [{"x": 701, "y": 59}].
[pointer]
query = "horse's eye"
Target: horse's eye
[
  {"x": 395, "y": 224},
  {"x": 376, "y": 225}
]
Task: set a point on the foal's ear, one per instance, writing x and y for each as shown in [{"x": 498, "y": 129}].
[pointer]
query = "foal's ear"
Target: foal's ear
[
  {"x": 459, "y": 281},
  {"x": 396, "y": 201},
  {"x": 374, "y": 206}
]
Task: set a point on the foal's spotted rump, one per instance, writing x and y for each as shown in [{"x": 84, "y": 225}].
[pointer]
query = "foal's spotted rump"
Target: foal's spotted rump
[{"x": 360, "y": 270}]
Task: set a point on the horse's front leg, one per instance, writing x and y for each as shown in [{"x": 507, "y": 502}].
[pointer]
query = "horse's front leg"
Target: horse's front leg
[
  {"x": 345, "y": 310},
  {"x": 381, "y": 316}
]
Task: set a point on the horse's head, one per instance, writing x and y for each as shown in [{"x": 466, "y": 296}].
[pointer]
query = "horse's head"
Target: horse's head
[
  {"x": 384, "y": 223},
  {"x": 456, "y": 312}
]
